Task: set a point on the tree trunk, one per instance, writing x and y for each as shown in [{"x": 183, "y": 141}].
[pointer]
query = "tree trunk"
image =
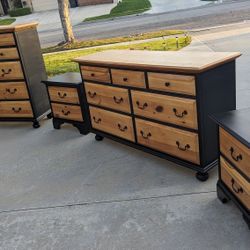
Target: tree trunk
[{"x": 65, "y": 19}]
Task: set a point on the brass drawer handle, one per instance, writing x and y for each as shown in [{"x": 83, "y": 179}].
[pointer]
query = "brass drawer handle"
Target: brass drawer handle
[
  {"x": 16, "y": 110},
  {"x": 236, "y": 158},
  {"x": 66, "y": 113},
  {"x": 144, "y": 106},
  {"x": 92, "y": 95},
  {"x": 145, "y": 136},
  {"x": 125, "y": 79},
  {"x": 12, "y": 92},
  {"x": 62, "y": 96},
  {"x": 123, "y": 129},
  {"x": 180, "y": 115},
  {"x": 187, "y": 146},
  {"x": 97, "y": 121},
  {"x": 236, "y": 189},
  {"x": 167, "y": 84},
  {"x": 118, "y": 100},
  {"x": 7, "y": 72}
]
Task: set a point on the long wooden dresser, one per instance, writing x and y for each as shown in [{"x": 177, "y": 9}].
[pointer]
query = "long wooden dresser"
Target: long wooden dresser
[
  {"x": 160, "y": 102},
  {"x": 22, "y": 96}
]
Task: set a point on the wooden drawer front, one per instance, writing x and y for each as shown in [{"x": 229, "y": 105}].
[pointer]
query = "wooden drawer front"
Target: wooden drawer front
[
  {"x": 8, "y": 53},
  {"x": 13, "y": 90},
  {"x": 7, "y": 40},
  {"x": 110, "y": 97},
  {"x": 16, "y": 109},
  {"x": 128, "y": 78},
  {"x": 95, "y": 74},
  {"x": 235, "y": 151},
  {"x": 179, "y": 111},
  {"x": 11, "y": 71},
  {"x": 235, "y": 182},
  {"x": 172, "y": 83},
  {"x": 112, "y": 123},
  {"x": 169, "y": 140},
  {"x": 67, "y": 112},
  {"x": 63, "y": 94}
]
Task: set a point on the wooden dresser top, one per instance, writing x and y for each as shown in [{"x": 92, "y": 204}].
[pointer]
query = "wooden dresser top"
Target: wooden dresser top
[
  {"x": 18, "y": 27},
  {"x": 185, "y": 62}
]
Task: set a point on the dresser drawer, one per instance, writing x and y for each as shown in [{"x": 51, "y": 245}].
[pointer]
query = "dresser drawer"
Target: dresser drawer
[
  {"x": 235, "y": 182},
  {"x": 175, "y": 142},
  {"x": 13, "y": 90},
  {"x": 106, "y": 96},
  {"x": 15, "y": 109},
  {"x": 179, "y": 111},
  {"x": 128, "y": 78},
  {"x": 11, "y": 71},
  {"x": 235, "y": 151},
  {"x": 67, "y": 112},
  {"x": 8, "y": 53},
  {"x": 172, "y": 83},
  {"x": 95, "y": 74},
  {"x": 112, "y": 123},
  {"x": 7, "y": 39},
  {"x": 63, "y": 94}
]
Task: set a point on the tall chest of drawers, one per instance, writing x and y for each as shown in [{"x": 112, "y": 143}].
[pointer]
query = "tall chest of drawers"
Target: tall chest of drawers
[
  {"x": 160, "y": 102},
  {"x": 22, "y": 96}
]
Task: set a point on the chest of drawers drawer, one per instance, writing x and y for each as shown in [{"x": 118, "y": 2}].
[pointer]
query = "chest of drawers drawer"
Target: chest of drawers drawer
[
  {"x": 15, "y": 109},
  {"x": 13, "y": 90},
  {"x": 11, "y": 71},
  {"x": 8, "y": 54},
  {"x": 95, "y": 74},
  {"x": 106, "y": 96},
  {"x": 179, "y": 111},
  {"x": 7, "y": 39}
]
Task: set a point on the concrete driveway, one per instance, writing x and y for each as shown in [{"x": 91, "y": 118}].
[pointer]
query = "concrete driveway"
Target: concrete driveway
[{"x": 60, "y": 190}]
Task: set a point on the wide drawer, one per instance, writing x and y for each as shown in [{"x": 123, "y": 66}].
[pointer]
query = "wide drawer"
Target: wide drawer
[
  {"x": 106, "y": 96},
  {"x": 15, "y": 109},
  {"x": 95, "y": 74},
  {"x": 179, "y": 111},
  {"x": 235, "y": 182},
  {"x": 63, "y": 94},
  {"x": 7, "y": 39},
  {"x": 112, "y": 123},
  {"x": 175, "y": 142},
  {"x": 67, "y": 112},
  {"x": 13, "y": 90},
  {"x": 128, "y": 78},
  {"x": 8, "y": 53},
  {"x": 235, "y": 151},
  {"x": 11, "y": 71},
  {"x": 181, "y": 84}
]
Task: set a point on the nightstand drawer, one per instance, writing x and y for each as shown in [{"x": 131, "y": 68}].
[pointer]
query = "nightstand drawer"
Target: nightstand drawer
[
  {"x": 8, "y": 53},
  {"x": 67, "y": 112},
  {"x": 63, "y": 94},
  {"x": 128, "y": 78},
  {"x": 13, "y": 90},
  {"x": 106, "y": 96},
  {"x": 181, "y": 84},
  {"x": 95, "y": 74},
  {"x": 169, "y": 140},
  {"x": 112, "y": 123},
  {"x": 235, "y": 151},
  {"x": 11, "y": 71},
  {"x": 14, "y": 109},
  {"x": 7, "y": 40},
  {"x": 179, "y": 111},
  {"x": 235, "y": 182}
]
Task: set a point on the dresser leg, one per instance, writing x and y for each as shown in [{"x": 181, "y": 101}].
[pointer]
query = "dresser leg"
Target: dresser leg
[
  {"x": 202, "y": 176},
  {"x": 81, "y": 129},
  {"x": 247, "y": 220},
  {"x": 49, "y": 116},
  {"x": 57, "y": 124},
  {"x": 98, "y": 138},
  {"x": 36, "y": 124},
  {"x": 221, "y": 195}
]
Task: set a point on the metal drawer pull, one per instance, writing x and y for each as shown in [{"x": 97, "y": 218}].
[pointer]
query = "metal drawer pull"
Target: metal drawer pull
[
  {"x": 125, "y": 79},
  {"x": 167, "y": 84},
  {"x": 17, "y": 110},
  {"x": 66, "y": 113},
  {"x": 97, "y": 120},
  {"x": 144, "y": 106},
  {"x": 180, "y": 115},
  {"x": 6, "y": 72},
  {"x": 12, "y": 92},
  {"x": 236, "y": 158},
  {"x": 62, "y": 96},
  {"x": 235, "y": 189},
  {"x": 118, "y": 100},
  {"x": 123, "y": 129},
  {"x": 181, "y": 148},
  {"x": 145, "y": 136},
  {"x": 92, "y": 95}
]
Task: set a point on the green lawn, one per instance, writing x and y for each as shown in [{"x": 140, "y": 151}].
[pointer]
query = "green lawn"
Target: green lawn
[
  {"x": 7, "y": 21},
  {"x": 62, "y": 62},
  {"x": 124, "y": 8}
]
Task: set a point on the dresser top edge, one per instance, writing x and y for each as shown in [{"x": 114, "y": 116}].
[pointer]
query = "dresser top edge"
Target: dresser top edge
[{"x": 17, "y": 27}]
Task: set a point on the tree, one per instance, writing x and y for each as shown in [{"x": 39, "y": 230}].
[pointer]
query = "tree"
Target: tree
[{"x": 63, "y": 6}]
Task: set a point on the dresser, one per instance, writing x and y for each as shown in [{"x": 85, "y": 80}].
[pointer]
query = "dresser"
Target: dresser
[
  {"x": 22, "y": 96},
  {"x": 160, "y": 102},
  {"x": 234, "y": 167}
]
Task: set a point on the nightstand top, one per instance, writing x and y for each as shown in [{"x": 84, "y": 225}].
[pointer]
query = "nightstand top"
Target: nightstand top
[{"x": 67, "y": 78}]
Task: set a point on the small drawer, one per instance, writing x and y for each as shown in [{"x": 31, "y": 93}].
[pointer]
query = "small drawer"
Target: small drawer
[
  {"x": 172, "y": 83},
  {"x": 8, "y": 54},
  {"x": 175, "y": 142},
  {"x": 13, "y": 109},
  {"x": 67, "y": 112},
  {"x": 235, "y": 152},
  {"x": 95, "y": 74},
  {"x": 63, "y": 94},
  {"x": 179, "y": 111},
  {"x": 128, "y": 78},
  {"x": 235, "y": 182},
  {"x": 11, "y": 71},
  {"x": 112, "y": 123},
  {"x": 106, "y": 96},
  {"x": 13, "y": 90},
  {"x": 7, "y": 40}
]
